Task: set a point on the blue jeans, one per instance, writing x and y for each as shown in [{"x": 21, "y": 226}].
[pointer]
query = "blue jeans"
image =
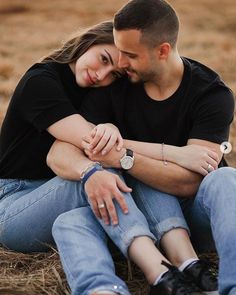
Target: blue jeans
[
  {"x": 28, "y": 210},
  {"x": 210, "y": 216}
]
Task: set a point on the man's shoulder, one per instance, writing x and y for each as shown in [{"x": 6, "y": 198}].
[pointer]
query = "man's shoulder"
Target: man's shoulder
[{"x": 202, "y": 78}]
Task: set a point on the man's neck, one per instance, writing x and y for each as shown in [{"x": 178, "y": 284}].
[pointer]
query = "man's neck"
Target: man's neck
[{"x": 167, "y": 84}]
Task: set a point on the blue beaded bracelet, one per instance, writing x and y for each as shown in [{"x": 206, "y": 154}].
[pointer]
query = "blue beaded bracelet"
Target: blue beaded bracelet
[{"x": 86, "y": 176}]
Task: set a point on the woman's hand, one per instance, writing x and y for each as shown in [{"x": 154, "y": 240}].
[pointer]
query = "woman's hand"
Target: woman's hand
[
  {"x": 104, "y": 137},
  {"x": 197, "y": 158}
]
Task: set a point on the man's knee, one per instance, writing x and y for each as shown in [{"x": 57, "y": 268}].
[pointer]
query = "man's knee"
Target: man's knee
[{"x": 223, "y": 177}]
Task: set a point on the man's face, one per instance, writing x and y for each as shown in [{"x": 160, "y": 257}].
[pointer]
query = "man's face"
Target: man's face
[{"x": 138, "y": 60}]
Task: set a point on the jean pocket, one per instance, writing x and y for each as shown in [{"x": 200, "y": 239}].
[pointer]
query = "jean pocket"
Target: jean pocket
[{"x": 9, "y": 187}]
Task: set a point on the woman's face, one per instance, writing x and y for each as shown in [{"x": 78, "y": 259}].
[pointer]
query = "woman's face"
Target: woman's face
[{"x": 97, "y": 67}]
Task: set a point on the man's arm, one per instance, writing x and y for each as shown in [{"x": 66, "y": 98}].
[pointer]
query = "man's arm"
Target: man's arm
[
  {"x": 169, "y": 178},
  {"x": 102, "y": 187}
]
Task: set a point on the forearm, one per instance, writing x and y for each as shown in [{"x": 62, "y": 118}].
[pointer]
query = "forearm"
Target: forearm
[
  {"x": 153, "y": 150},
  {"x": 71, "y": 129},
  {"x": 169, "y": 178},
  {"x": 67, "y": 161}
]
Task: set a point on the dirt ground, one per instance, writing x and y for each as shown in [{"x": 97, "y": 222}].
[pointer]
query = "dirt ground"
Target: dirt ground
[{"x": 31, "y": 29}]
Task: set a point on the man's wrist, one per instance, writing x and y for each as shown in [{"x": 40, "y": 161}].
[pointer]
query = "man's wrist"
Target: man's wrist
[
  {"x": 127, "y": 160},
  {"x": 89, "y": 171}
]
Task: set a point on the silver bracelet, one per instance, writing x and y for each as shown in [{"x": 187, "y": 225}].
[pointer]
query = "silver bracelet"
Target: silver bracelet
[
  {"x": 162, "y": 154},
  {"x": 87, "y": 169}
]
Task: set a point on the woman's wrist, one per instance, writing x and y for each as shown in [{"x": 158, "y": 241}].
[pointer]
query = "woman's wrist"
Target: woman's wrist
[{"x": 170, "y": 153}]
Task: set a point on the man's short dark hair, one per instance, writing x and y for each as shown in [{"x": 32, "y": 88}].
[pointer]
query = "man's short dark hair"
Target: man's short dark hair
[{"x": 155, "y": 19}]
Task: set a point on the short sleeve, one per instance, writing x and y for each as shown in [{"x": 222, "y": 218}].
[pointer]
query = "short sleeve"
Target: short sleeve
[
  {"x": 212, "y": 115},
  {"x": 97, "y": 106},
  {"x": 43, "y": 102}
]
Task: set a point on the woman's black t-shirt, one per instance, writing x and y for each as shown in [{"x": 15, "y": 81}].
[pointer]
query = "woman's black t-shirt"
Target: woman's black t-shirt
[{"x": 45, "y": 94}]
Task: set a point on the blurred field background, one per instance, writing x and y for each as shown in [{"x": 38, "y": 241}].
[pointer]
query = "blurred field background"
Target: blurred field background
[{"x": 30, "y": 29}]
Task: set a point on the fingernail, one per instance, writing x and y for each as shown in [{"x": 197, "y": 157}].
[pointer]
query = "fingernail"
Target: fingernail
[{"x": 104, "y": 152}]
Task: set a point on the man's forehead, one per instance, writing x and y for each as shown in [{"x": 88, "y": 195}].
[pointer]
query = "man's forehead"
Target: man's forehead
[{"x": 125, "y": 39}]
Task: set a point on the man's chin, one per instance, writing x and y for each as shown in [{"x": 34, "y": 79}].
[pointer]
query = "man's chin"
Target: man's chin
[{"x": 134, "y": 79}]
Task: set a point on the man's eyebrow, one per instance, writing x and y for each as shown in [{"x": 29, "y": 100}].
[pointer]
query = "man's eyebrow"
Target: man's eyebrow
[
  {"x": 109, "y": 56},
  {"x": 128, "y": 53}
]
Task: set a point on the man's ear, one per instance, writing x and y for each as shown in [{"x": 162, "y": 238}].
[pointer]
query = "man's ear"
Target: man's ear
[{"x": 163, "y": 50}]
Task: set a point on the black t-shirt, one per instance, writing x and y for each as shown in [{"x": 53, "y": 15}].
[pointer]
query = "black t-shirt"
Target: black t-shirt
[
  {"x": 201, "y": 108},
  {"x": 44, "y": 95}
]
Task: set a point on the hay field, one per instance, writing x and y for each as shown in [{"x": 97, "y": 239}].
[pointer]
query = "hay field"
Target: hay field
[{"x": 31, "y": 29}]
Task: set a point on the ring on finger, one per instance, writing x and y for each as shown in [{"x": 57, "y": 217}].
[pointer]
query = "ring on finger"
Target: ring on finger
[
  {"x": 209, "y": 168},
  {"x": 101, "y": 206}
]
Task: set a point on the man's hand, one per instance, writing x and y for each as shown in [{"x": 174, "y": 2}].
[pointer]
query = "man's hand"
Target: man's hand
[{"x": 102, "y": 188}]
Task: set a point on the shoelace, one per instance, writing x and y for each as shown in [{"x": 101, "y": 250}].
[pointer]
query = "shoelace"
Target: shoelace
[{"x": 183, "y": 284}]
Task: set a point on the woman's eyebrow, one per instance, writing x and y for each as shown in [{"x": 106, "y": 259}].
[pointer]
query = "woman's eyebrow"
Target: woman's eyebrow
[{"x": 109, "y": 56}]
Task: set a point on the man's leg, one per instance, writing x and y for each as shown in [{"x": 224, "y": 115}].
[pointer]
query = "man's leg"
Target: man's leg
[
  {"x": 29, "y": 208},
  {"x": 215, "y": 207},
  {"x": 88, "y": 265}
]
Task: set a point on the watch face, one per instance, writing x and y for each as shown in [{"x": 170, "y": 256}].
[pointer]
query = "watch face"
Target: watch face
[{"x": 127, "y": 162}]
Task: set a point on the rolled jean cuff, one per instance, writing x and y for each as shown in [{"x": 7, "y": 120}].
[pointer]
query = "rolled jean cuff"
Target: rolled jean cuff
[
  {"x": 110, "y": 288},
  {"x": 169, "y": 224},
  {"x": 128, "y": 237}
]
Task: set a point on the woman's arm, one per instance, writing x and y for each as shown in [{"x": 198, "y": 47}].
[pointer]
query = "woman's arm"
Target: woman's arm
[
  {"x": 71, "y": 129},
  {"x": 195, "y": 156}
]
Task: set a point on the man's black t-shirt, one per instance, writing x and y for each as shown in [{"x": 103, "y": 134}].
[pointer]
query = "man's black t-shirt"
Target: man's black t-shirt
[
  {"x": 201, "y": 108},
  {"x": 44, "y": 95}
]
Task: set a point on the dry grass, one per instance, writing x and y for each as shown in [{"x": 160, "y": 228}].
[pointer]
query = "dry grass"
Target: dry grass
[{"x": 42, "y": 274}]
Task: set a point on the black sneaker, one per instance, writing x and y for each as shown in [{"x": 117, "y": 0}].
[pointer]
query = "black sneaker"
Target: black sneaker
[
  {"x": 200, "y": 272},
  {"x": 174, "y": 282}
]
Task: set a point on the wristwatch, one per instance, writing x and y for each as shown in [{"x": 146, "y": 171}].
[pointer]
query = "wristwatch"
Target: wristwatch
[{"x": 127, "y": 161}]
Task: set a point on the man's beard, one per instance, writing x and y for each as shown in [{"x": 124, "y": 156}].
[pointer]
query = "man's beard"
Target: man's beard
[{"x": 141, "y": 77}]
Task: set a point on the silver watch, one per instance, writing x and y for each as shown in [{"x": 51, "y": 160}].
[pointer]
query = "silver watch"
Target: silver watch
[{"x": 127, "y": 161}]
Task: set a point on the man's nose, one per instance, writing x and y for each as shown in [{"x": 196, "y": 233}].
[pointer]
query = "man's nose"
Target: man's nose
[{"x": 123, "y": 61}]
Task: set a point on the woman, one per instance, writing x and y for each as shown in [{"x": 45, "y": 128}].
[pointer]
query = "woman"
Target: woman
[{"x": 44, "y": 107}]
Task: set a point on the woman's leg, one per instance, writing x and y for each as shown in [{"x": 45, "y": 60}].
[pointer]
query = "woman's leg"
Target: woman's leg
[
  {"x": 29, "y": 208},
  {"x": 166, "y": 221}
]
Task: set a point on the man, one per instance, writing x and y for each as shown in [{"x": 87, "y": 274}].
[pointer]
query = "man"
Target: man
[{"x": 179, "y": 102}]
